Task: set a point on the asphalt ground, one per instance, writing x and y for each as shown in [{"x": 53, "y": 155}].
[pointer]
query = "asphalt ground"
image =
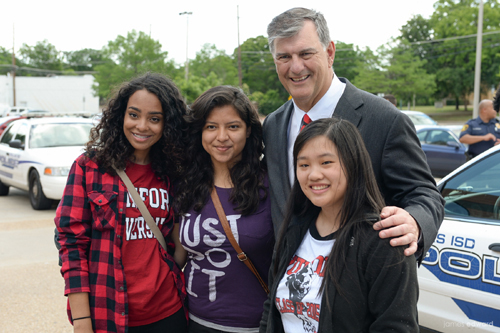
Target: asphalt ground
[{"x": 31, "y": 286}]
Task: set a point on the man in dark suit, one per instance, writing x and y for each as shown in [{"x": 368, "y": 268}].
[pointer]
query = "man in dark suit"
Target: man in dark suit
[{"x": 303, "y": 54}]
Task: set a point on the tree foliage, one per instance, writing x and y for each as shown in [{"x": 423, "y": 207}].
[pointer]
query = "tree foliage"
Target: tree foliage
[
  {"x": 258, "y": 69},
  {"x": 407, "y": 77},
  {"x": 127, "y": 57},
  {"x": 211, "y": 60},
  {"x": 43, "y": 58},
  {"x": 5, "y": 61},
  {"x": 455, "y": 58},
  {"x": 84, "y": 60}
]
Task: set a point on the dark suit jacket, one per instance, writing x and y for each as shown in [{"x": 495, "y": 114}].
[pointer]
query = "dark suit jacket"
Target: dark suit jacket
[{"x": 399, "y": 163}]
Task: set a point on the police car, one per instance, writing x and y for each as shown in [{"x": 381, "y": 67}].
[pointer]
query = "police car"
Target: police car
[
  {"x": 37, "y": 153},
  {"x": 460, "y": 276}
]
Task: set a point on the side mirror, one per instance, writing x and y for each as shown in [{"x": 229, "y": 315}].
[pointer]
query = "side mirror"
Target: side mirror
[{"x": 16, "y": 144}]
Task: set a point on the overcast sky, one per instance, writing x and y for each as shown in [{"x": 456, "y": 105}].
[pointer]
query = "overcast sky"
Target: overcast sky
[{"x": 91, "y": 24}]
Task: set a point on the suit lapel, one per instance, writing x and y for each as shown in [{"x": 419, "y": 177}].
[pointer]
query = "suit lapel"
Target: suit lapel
[{"x": 350, "y": 104}]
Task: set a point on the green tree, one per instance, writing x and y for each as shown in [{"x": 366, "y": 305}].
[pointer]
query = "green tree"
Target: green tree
[
  {"x": 196, "y": 85},
  {"x": 84, "y": 60},
  {"x": 348, "y": 60},
  {"x": 456, "y": 57},
  {"x": 371, "y": 76},
  {"x": 258, "y": 69},
  {"x": 266, "y": 102},
  {"x": 130, "y": 56},
  {"x": 43, "y": 58},
  {"x": 211, "y": 60},
  {"x": 5, "y": 61},
  {"x": 406, "y": 74}
]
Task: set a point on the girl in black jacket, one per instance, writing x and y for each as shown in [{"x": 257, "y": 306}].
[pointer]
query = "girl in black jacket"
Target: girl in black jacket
[{"x": 331, "y": 272}]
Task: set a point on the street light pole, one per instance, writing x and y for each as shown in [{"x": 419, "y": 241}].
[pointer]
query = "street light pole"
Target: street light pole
[
  {"x": 479, "y": 47},
  {"x": 187, "y": 33}
]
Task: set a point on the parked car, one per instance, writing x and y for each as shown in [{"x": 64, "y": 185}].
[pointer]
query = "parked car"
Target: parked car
[
  {"x": 419, "y": 118},
  {"x": 37, "y": 153},
  {"x": 5, "y": 121},
  {"x": 442, "y": 148},
  {"x": 21, "y": 111},
  {"x": 460, "y": 275}
]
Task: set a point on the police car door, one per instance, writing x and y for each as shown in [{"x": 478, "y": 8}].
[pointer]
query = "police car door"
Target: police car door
[
  {"x": 460, "y": 276},
  {"x": 9, "y": 157}
]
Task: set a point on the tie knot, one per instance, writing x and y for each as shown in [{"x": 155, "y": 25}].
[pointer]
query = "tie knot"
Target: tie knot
[{"x": 305, "y": 121}]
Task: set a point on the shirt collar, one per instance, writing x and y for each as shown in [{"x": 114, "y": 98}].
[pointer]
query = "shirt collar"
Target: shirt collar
[{"x": 326, "y": 105}]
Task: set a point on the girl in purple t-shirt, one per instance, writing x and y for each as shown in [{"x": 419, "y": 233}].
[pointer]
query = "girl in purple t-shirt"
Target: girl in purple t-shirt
[{"x": 224, "y": 152}]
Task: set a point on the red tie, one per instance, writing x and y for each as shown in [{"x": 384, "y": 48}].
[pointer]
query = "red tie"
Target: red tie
[{"x": 305, "y": 121}]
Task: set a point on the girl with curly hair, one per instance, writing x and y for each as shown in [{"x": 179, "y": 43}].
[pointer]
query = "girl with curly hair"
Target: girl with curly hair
[
  {"x": 225, "y": 149},
  {"x": 117, "y": 276}
]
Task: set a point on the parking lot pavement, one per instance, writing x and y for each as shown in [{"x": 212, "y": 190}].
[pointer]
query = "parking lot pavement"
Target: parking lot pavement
[{"x": 31, "y": 287}]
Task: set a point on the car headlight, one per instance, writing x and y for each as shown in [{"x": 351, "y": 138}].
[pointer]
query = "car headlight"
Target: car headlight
[{"x": 56, "y": 171}]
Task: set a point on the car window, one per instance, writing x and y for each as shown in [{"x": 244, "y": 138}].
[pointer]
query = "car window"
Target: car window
[
  {"x": 21, "y": 133},
  {"x": 9, "y": 133},
  {"x": 439, "y": 138},
  {"x": 475, "y": 191},
  {"x": 58, "y": 135},
  {"x": 421, "y": 136}
]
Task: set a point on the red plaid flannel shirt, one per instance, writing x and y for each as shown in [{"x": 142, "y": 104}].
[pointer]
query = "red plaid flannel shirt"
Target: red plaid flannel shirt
[{"x": 91, "y": 223}]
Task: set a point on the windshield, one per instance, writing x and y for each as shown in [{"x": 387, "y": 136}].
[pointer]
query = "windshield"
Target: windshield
[
  {"x": 475, "y": 192},
  {"x": 59, "y": 135},
  {"x": 418, "y": 119}
]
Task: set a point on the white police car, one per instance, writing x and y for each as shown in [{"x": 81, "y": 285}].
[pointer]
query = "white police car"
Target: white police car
[
  {"x": 37, "y": 153},
  {"x": 460, "y": 275}
]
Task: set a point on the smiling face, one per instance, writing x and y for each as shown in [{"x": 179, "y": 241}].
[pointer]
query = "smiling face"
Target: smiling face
[
  {"x": 304, "y": 67},
  {"x": 143, "y": 123},
  {"x": 320, "y": 174},
  {"x": 224, "y": 136}
]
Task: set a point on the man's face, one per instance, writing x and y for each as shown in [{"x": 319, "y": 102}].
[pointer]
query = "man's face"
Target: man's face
[
  {"x": 304, "y": 67},
  {"x": 489, "y": 111}
]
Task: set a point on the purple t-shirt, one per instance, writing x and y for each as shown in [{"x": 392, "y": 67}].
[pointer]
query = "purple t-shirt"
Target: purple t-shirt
[{"x": 222, "y": 292}]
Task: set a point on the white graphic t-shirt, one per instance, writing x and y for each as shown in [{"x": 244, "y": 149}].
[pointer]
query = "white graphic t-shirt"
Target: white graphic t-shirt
[{"x": 297, "y": 297}]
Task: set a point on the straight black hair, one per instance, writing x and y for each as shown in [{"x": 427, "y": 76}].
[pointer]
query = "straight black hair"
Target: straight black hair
[{"x": 362, "y": 200}]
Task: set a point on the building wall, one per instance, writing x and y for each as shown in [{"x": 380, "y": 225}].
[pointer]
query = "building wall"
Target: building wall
[{"x": 54, "y": 94}]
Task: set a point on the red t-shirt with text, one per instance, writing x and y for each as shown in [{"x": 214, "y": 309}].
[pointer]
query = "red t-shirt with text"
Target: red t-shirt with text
[{"x": 152, "y": 294}]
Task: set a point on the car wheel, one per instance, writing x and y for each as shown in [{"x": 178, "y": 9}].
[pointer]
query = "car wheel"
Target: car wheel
[
  {"x": 38, "y": 200},
  {"x": 4, "y": 189}
]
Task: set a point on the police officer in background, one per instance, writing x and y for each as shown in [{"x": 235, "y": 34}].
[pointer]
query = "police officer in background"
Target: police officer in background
[{"x": 482, "y": 132}]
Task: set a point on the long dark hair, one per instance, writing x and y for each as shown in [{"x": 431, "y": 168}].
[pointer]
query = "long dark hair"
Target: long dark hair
[
  {"x": 247, "y": 175},
  {"x": 362, "y": 200},
  {"x": 108, "y": 145}
]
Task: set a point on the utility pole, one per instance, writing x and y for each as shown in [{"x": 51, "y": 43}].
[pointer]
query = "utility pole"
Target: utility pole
[
  {"x": 187, "y": 34},
  {"x": 479, "y": 46},
  {"x": 240, "y": 77},
  {"x": 13, "y": 68}
]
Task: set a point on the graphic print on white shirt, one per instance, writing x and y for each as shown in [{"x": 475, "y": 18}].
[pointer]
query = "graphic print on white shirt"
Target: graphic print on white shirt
[{"x": 297, "y": 297}]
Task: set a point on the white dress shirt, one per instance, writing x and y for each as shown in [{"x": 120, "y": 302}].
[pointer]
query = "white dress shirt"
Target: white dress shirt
[{"x": 323, "y": 109}]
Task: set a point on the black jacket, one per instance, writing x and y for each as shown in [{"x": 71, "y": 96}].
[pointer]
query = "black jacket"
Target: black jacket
[{"x": 379, "y": 283}]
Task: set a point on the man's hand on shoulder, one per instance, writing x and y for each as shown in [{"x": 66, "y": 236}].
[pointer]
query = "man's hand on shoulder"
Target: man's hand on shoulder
[{"x": 397, "y": 222}]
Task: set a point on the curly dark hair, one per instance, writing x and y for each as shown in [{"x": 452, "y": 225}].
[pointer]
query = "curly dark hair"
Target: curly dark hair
[
  {"x": 496, "y": 100},
  {"x": 247, "y": 175},
  {"x": 108, "y": 145}
]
